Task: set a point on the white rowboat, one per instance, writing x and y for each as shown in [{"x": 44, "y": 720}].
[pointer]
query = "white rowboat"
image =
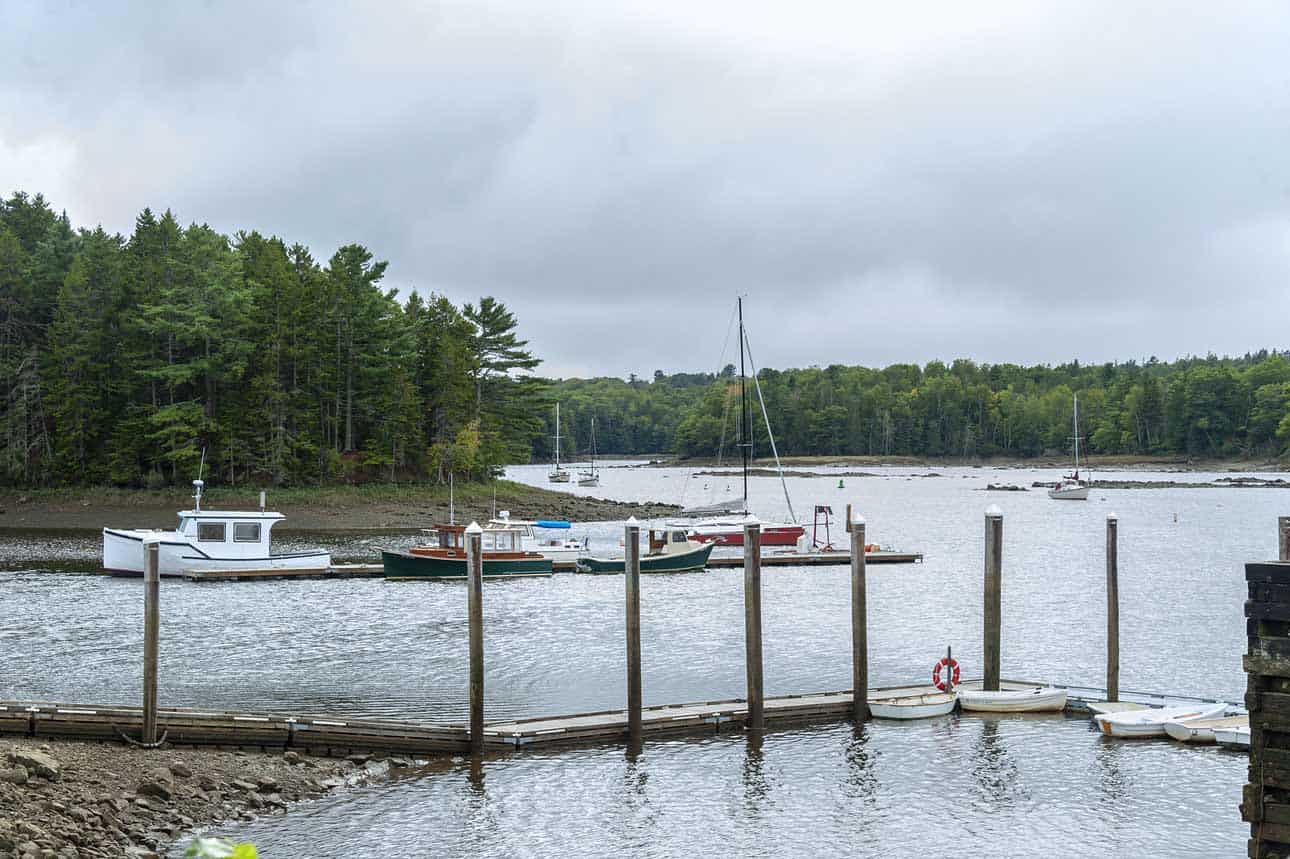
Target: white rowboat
[
  {"x": 1202, "y": 730},
  {"x": 1236, "y": 738},
  {"x": 1040, "y": 700},
  {"x": 1151, "y": 722},
  {"x": 912, "y": 706}
]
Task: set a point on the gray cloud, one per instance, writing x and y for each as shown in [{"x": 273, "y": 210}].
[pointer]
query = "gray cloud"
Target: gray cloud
[{"x": 1082, "y": 181}]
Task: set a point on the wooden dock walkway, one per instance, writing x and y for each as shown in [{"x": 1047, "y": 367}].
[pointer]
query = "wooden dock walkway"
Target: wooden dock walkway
[
  {"x": 376, "y": 571},
  {"x": 342, "y": 735}
]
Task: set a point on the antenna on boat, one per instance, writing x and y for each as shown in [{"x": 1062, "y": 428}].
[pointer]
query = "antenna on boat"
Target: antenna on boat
[{"x": 198, "y": 484}]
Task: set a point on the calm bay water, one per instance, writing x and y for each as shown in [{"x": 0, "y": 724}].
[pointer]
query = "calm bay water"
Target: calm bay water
[{"x": 365, "y": 647}]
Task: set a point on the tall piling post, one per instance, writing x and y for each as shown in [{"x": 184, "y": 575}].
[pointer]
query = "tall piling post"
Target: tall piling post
[
  {"x": 475, "y": 612},
  {"x": 752, "y": 624},
  {"x": 632, "y": 571},
  {"x": 1112, "y": 608},
  {"x": 1283, "y": 542},
  {"x": 859, "y": 621},
  {"x": 151, "y": 632},
  {"x": 993, "y": 595}
]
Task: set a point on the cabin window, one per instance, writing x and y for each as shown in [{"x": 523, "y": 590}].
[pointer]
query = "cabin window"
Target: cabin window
[
  {"x": 678, "y": 536},
  {"x": 246, "y": 532},
  {"x": 210, "y": 532}
]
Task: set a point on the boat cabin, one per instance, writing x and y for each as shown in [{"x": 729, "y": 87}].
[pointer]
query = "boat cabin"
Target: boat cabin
[
  {"x": 227, "y": 533},
  {"x": 452, "y": 539},
  {"x": 665, "y": 541}
]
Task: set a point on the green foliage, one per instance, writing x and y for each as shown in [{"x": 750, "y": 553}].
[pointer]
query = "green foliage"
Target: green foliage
[
  {"x": 123, "y": 359},
  {"x": 219, "y": 848},
  {"x": 1206, "y": 407}
]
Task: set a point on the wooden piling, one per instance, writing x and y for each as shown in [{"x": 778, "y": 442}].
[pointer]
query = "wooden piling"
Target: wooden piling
[
  {"x": 859, "y": 621},
  {"x": 151, "y": 632},
  {"x": 475, "y": 611},
  {"x": 632, "y": 569},
  {"x": 752, "y": 626},
  {"x": 1112, "y": 609},
  {"x": 1283, "y": 544},
  {"x": 993, "y": 595}
]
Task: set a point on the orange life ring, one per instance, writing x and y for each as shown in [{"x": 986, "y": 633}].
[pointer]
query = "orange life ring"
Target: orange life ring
[{"x": 953, "y": 665}]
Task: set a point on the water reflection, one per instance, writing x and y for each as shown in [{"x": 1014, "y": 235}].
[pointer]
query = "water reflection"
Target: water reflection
[
  {"x": 862, "y": 775},
  {"x": 998, "y": 779},
  {"x": 756, "y": 786},
  {"x": 1112, "y": 781}
]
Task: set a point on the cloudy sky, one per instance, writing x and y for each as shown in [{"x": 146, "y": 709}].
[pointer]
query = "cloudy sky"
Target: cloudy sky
[{"x": 1028, "y": 182}]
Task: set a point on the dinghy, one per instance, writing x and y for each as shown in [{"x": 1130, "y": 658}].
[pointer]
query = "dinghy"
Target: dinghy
[
  {"x": 1202, "y": 730},
  {"x": 1151, "y": 722},
  {"x": 912, "y": 706},
  {"x": 1039, "y": 700},
  {"x": 1234, "y": 738},
  {"x": 1097, "y": 708}
]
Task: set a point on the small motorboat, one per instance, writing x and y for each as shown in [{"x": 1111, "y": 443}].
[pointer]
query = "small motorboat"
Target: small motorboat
[
  {"x": 1234, "y": 738},
  {"x": 1037, "y": 700},
  {"x": 1203, "y": 730},
  {"x": 669, "y": 551},
  {"x": 1151, "y": 721},
  {"x": 913, "y": 706}
]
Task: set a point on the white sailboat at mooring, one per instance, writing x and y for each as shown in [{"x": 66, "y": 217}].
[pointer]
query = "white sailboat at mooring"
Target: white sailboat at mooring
[
  {"x": 590, "y": 476},
  {"x": 1072, "y": 487},
  {"x": 558, "y": 474}
]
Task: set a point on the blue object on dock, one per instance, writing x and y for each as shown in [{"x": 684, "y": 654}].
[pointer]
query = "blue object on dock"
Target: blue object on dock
[{"x": 551, "y": 523}]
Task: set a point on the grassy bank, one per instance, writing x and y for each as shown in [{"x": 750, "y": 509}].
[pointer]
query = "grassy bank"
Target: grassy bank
[{"x": 367, "y": 507}]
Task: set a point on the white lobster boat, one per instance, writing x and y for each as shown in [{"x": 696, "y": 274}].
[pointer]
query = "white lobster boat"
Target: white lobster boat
[{"x": 207, "y": 540}]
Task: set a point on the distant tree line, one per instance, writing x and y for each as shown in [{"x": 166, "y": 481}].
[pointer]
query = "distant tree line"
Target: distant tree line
[
  {"x": 1203, "y": 407},
  {"x": 124, "y": 359}
]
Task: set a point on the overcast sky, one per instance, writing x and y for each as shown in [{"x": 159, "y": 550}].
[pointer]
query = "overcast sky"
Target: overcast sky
[{"x": 885, "y": 182}]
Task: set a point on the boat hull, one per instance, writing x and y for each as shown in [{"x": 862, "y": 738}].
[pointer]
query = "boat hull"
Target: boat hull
[
  {"x": 1203, "y": 730},
  {"x": 1069, "y": 493},
  {"x": 1014, "y": 700},
  {"x": 123, "y": 555},
  {"x": 1233, "y": 738},
  {"x": 914, "y": 707},
  {"x": 771, "y": 535},
  {"x": 1143, "y": 724},
  {"x": 680, "y": 562},
  {"x": 407, "y": 566}
]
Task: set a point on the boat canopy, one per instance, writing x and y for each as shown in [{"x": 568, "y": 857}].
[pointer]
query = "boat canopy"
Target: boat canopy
[{"x": 552, "y": 523}]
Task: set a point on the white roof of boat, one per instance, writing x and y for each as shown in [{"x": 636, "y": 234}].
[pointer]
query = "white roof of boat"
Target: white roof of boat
[{"x": 231, "y": 514}]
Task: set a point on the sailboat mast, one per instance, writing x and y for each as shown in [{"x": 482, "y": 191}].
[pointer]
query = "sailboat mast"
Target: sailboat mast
[
  {"x": 1075, "y": 429},
  {"x": 745, "y": 415},
  {"x": 557, "y": 435}
]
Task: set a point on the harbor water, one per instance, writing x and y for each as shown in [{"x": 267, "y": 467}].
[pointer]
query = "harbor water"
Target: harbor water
[{"x": 954, "y": 786}]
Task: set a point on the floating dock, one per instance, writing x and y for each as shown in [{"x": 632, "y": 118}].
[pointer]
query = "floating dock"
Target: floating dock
[
  {"x": 376, "y": 571},
  {"x": 341, "y": 735}
]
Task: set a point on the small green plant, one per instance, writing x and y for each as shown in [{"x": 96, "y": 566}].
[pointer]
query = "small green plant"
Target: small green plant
[{"x": 219, "y": 848}]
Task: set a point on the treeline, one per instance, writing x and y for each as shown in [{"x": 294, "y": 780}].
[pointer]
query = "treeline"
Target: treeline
[
  {"x": 1204, "y": 407},
  {"x": 123, "y": 359}
]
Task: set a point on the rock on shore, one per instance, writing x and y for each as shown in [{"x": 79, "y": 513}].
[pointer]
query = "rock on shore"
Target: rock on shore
[{"x": 63, "y": 799}]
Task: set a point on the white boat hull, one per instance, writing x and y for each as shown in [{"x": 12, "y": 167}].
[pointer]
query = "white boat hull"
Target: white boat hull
[
  {"x": 914, "y": 707},
  {"x": 1137, "y": 724},
  {"x": 123, "y": 553},
  {"x": 1236, "y": 738},
  {"x": 1203, "y": 730},
  {"x": 1045, "y": 700},
  {"x": 1069, "y": 493}
]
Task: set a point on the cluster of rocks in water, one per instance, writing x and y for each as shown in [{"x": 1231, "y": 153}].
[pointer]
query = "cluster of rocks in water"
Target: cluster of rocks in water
[{"x": 70, "y": 800}]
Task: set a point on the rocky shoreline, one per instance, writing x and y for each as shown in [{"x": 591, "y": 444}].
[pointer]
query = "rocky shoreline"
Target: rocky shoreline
[{"x": 70, "y": 799}]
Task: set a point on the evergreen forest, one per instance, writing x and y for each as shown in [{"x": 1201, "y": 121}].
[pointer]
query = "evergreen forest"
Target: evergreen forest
[{"x": 128, "y": 360}]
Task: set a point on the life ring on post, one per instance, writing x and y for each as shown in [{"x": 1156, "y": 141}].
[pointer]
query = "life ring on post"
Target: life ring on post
[{"x": 953, "y": 674}]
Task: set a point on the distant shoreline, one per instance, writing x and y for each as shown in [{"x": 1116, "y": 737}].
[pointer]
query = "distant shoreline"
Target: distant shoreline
[{"x": 1096, "y": 463}]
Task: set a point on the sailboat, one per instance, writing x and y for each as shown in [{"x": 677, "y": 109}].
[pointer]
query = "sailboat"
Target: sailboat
[
  {"x": 558, "y": 474},
  {"x": 724, "y": 531},
  {"x": 1071, "y": 487},
  {"x": 590, "y": 477}
]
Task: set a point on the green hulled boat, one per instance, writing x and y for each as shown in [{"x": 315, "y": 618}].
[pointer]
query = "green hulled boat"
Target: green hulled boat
[
  {"x": 670, "y": 551},
  {"x": 446, "y": 559}
]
